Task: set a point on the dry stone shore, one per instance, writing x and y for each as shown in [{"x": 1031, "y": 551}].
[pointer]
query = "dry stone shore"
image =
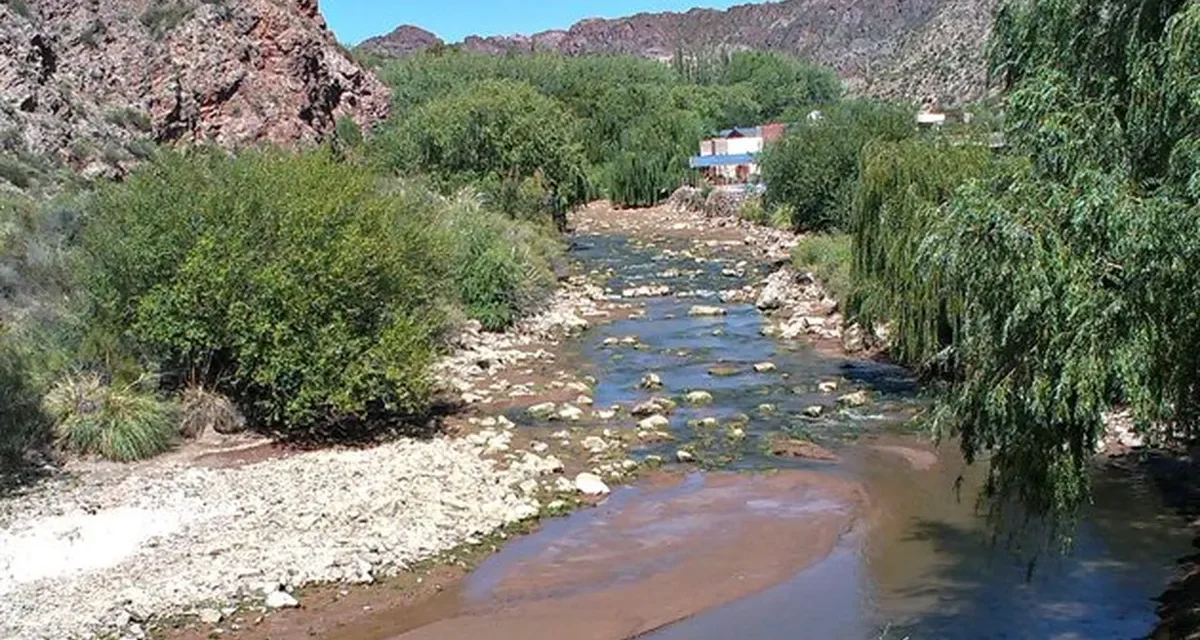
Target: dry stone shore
[
  {"x": 96, "y": 553},
  {"x": 103, "y": 550}
]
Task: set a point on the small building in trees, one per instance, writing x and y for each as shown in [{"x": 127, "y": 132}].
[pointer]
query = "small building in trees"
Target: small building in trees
[{"x": 732, "y": 155}]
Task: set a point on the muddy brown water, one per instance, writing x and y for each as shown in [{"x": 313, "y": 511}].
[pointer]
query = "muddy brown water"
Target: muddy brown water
[{"x": 884, "y": 543}]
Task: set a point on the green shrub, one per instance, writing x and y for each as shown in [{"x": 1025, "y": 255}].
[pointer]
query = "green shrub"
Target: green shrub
[
  {"x": 500, "y": 267},
  {"x": 122, "y": 424},
  {"x": 752, "y": 210},
  {"x": 490, "y": 131},
  {"x": 23, "y": 426},
  {"x": 814, "y": 168},
  {"x": 828, "y": 258},
  {"x": 164, "y": 15},
  {"x": 19, "y": 7},
  {"x": 130, "y": 118},
  {"x": 289, "y": 282},
  {"x": 15, "y": 172}
]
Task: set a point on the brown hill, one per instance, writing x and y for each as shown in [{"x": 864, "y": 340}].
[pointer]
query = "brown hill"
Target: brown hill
[
  {"x": 89, "y": 83},
  {"x": 915, "y": 49}
]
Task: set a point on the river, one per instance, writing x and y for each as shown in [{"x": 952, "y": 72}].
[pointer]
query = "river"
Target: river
[{"x": 886, "y": 542}]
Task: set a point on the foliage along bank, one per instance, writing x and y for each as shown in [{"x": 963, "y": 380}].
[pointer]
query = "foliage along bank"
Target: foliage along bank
[
  {"x": 1054, "y": 281},
  {"x": 625, "y": 125}
]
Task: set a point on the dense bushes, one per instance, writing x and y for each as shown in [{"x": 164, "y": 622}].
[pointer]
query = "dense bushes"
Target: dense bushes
[
  {"x": 494, "y": 132},
  {"x": 22, "y": 424},
  {"x": 637, "y": 120},
  {"x": 501, "y": 269},
  {"x": 287, "y": 279},
  {"x": 294, "y": 283},
  {"x": 828, "y": 258},
  {"x": 814, "y": 169}
]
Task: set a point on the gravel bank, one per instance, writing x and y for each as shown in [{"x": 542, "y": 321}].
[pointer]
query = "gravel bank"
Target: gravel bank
[{"x": 99, "y": 552}]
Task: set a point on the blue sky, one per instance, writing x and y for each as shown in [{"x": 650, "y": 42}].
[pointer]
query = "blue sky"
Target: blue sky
[{"x": 356, "y": 20}]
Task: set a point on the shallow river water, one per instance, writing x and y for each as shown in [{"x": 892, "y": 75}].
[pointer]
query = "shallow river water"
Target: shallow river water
[{"x": 914, "y": 562}]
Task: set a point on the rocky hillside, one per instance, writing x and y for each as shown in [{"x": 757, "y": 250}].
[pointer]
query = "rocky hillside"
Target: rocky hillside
[
  {"x": 90, "y": 84},
  {"x": 915, "y": 49}
]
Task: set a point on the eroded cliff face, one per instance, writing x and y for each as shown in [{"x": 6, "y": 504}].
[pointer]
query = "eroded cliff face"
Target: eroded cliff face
[
  {"x": 913, "y": 49},
  {"x": 87, "y": 83}
]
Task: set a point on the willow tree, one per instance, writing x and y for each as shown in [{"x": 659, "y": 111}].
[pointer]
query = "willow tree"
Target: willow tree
[{"x": 1057, "y": 283}]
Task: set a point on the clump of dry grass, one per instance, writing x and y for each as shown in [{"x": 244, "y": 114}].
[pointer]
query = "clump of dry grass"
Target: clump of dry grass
[{"x": 204, "y": 410}]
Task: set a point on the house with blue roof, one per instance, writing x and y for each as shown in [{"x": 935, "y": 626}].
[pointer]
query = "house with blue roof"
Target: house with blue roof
[{"x": 732, "y": 155}]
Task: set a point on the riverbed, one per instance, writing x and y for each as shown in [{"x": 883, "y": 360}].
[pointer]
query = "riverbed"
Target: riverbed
[{"x": 885, "y": 541}]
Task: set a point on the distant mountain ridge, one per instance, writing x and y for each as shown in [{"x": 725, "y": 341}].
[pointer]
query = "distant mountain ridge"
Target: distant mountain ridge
[{"x": 911, "y": 49}]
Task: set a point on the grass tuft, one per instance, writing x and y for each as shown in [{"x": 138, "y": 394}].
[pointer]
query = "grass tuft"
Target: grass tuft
[
  {"x": 203, "y": 410},
  {"x": 121, "y": 424},
  {"x": 828, "y": 257}
]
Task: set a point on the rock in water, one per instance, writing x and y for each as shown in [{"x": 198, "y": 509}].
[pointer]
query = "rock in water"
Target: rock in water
[
  {"x": 542, "y": 411},
  {"x": 814, "y": 411},
  {"x": 702, "y": 310},
  {"x": 590, "y": 484},
  {"x": 595, "y": 444},
  {"x": 281, "y": 600},
  {"x": 570, "y": 412},
  {"x": 698, "y": 397},
  {"x": 857, "y": 399},
  {"x": 651, "y": 381},
  {"x": 654, "y": 422},
  {"x": 684, "y": 456},
  {"x": 827, "y": 387},
  {"x": 764, "y": 367}
]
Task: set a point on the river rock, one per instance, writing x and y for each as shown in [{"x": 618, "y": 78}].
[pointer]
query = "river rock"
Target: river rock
[
  {"x": 828, "y": 387},
  {"x": 779, "y": 288},
  {"x": 857, "y": 399},
  {"x": 646, "y": 291},
  {"x": 702, "y": 310},
  {"x": 767, "y": 408},
  {"x": 684, "y": 456},
  {"x": 542, "y": 411},
  {"x": 653, "y": 406},
  {"x": 585, "y": 401},
  {"x": 698, "y": 397},
  {"x": 595, "y": 444},
  {"x": 605, "y": 414},
  {"x": 590, "y": 484},
  {"x": 653, "y": 423},
  {"x": 794, "y": 448},
  {"x": 538, "y": 447},
  {"x": 814, "y": 411},
  {"x": 571, "y": 413},
  {"x": 853, "y": 339},
  {"x": 764, "y": 367},
  {"x": 724, "y": 371},
  {"x": 651, "y": 381},
  {"x": 209, "y": 616},
  {"x": 281, "y": 600}
]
